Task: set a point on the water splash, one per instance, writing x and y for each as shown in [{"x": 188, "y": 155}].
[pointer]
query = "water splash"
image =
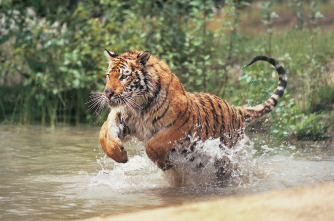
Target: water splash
[
  {"x": 139, "y": 173},
  {"x": 197, "y": 169},
  {"x": 200, "y": 168},
  {"x": 252, "y": 167}
]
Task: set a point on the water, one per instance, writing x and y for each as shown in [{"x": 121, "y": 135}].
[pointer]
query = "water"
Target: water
[{"x": 62, "y": 174}]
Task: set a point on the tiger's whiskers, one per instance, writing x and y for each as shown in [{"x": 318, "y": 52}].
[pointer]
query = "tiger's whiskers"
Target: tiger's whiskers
[{"x": 97, "y": 101}]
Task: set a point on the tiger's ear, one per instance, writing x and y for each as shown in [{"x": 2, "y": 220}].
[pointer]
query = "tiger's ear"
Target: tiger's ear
[
  {"x": 110, "y": 55},
  {"x": 143, "y": 57}
]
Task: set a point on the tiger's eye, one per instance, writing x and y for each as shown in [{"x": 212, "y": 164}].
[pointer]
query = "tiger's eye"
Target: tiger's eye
[{"x": 123, "y": 77}]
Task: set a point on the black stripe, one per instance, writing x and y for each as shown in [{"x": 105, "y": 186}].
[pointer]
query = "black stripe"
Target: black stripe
[
  {"x": 232, "y": 125},
  {"x": 282, "y": 82},
  {"x": 185, "y": 121},
  {"x": 142, "y": 77},
  {"x": 222, "y": 126},
  {"x": 229, "y": 113},
  {"x": 214, "y": 115},
  {"x": 129, "y": 86},
  {"x": 183, "y": 91},
  {"x": 280, "y": 70},
  {"x": 157, "y": 87},
  {"x": 126, "y": 130},
  {"x": 165, "y": 98},
  {"x": 233, "y": 116},
  {"x": 145, "y": 78},
  {"x": 279, "y": 92},
  {"x": 171, "y": 124},
  {"x": 266, "y": 109},
  {"x": 164, "y": 69},
  {"x": 143, "y": 70},
  {"x": 162, "y": 115},
  {"x": 241, "y": 115},
  {"x": 152, "y": 100},
  {"x": 205, "y": 117},
  {"x": 274, "y": 100},
  {"x": 163, "y": 102},
  {"x": 186, "y": 108},
  {"x": 137, "y": 75},
  {"x": 191, "y": 128},
  {"x": 228, "y": 125},
  {"x": 227, "y": 106},
  {"x": 198, "y": 119},
  {"x": 272, "y": 61}
]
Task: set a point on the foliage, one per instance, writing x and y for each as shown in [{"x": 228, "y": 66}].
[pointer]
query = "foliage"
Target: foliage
[
  {"x": 260, "y": 82},
  {"x": 52, "y": 55},
  {"x": 310, "y": 128}
]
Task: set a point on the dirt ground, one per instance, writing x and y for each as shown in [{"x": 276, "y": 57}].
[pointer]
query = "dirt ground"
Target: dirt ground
[{"x": 303, "y": 203}]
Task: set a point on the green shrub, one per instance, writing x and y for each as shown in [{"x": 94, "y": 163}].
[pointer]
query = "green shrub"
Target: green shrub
[
  {"x": 55, "y": 49},
  {"x": 310, "y": 128}
]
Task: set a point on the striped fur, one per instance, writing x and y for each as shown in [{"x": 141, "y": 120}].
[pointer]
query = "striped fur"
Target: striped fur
[{"x": 148, "y": 102}]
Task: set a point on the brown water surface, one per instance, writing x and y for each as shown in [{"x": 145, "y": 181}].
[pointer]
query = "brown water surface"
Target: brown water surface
[{"x": 62, "y": 174}]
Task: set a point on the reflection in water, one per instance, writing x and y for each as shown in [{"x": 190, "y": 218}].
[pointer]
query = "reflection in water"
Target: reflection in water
[{"x": 63, "y": 174}]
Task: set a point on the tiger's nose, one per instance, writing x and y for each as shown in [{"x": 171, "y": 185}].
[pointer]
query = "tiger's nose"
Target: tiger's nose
[{"x": 108, "y": 93}]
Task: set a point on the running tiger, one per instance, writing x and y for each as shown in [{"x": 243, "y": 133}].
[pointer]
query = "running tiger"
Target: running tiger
[{"x": 148, "y": 101}]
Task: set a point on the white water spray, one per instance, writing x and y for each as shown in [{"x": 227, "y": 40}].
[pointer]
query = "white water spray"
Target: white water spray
[
  {"x": 140, "y": 173},
  {"x": 202, "y": 169}
]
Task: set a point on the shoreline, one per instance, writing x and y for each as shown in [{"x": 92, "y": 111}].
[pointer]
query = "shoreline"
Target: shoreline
[{"x": 300, "y": 203}]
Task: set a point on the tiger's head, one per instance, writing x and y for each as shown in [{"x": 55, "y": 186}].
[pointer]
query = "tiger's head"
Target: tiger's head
[{"x": 128, "y": 81}]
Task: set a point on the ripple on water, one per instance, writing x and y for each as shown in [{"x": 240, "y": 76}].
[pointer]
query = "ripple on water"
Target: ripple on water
[{"x": 60, "y": 175}]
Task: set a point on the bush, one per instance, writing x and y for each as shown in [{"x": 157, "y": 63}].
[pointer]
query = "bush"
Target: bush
[
  {"x": 310, "y": 128},
  {"x": 52, "y": 56}
]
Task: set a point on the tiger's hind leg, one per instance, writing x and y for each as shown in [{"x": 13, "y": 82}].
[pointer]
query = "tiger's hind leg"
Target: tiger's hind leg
[
  {"x": 224, "y": 168},
  {"x": 158, "y": 150}
]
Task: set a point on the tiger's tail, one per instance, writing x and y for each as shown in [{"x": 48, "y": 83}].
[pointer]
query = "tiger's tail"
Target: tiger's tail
[{"x": 257, "y": 112}]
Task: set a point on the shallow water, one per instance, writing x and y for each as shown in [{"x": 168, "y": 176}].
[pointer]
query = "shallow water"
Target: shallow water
[{"x": 62, "y": 174}]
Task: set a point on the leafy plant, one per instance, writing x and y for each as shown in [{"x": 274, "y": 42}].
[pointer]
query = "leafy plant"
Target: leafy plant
[
  {"x": 310, "y": 128},
  {"x": 52, "y": 55}
]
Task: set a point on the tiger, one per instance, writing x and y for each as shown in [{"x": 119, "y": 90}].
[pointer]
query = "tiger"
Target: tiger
[{"x": 147, "y": 101}]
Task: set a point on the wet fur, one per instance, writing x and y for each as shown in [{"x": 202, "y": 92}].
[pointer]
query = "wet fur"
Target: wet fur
[{"x": 149, "y": 102}]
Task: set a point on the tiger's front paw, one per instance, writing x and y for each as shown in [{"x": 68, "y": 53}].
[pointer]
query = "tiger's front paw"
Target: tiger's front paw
[
  {"x": 112, "y": 146},
  {"x": 114, "y": 150}
]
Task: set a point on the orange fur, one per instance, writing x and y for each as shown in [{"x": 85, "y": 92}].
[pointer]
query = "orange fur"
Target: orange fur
[{"x": 148, "y": 101}]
